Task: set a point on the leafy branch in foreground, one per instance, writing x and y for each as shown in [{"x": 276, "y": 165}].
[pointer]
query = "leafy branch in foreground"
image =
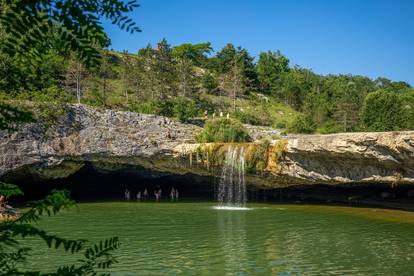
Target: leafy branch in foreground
[
  {"x": 69, "y": 26},
  {"x": 13, "y": 252}
]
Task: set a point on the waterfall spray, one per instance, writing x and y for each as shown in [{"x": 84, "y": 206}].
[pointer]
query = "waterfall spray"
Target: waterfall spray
[{"x": 232, "y": 186}]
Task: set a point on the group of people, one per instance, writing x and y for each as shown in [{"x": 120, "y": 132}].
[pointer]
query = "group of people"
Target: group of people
[
  {"x": 214, "y": 114},
  {"x": 144, "y": 195}
]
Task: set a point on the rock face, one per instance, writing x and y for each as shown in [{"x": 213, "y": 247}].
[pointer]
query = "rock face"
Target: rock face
[{"x": 112, "y": 140}]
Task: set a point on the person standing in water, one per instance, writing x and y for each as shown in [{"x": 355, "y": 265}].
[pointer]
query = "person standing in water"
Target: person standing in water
[
  {"x": 127, "y": 194},
  {"x": 172, "y": 194}
]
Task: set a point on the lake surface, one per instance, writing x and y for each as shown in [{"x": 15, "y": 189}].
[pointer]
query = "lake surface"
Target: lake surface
[{"x": 268, "y": 239}]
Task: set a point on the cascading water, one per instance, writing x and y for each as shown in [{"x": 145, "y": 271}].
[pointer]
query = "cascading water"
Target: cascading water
[{"x": 232, "y": 186}]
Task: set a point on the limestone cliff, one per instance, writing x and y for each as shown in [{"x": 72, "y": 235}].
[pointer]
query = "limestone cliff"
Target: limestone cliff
[{"x": 112, "y": 140}]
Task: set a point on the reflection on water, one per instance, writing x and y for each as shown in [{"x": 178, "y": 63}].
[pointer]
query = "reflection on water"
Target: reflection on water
[
  {"x": 232, "y": 235},
  {"x": 195, "y": 239}
]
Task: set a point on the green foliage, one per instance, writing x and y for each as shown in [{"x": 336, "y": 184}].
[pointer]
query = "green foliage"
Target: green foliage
[
  {"x": 256, "y": 157},
  {"x": 164, "y": 108},
  {"x": 13, "y": 234},
  {"x": 49, "y": 114},
  {"x": 301, "y": 124},
  {"x": 11, "y": 116},
  {"x": 270, "y": 67},
  {"x": 194, "y": 52},
  {"x": 69, "y": 26},
  {"x": 184, "y": 109},
  {"x": 256, "y": 116},
  {"x": 269, "y": 92},
  {"x": 9, "y": 190},
  {"x": 407, "y": 99},
  {"x": 210, "y": 83},
  {"x": 224, "y": 59},
  {"x": 52, "y": 94},
  {"x": 223, "y": 130},
  {"x": 383, "y": 111},
  {"x": 158, "y": 107},
  {"x": 329, "y": 127}
]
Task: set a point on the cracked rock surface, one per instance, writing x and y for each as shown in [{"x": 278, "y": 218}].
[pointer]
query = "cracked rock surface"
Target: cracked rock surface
[{"x": 110, "y": 140}]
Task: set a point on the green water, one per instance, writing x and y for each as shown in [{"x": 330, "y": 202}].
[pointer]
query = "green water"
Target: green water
[{"x": 195, "y": 239}]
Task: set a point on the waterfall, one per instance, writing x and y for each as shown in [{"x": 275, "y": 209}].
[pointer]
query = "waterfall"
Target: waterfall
[{"x": 232, "y": 186}]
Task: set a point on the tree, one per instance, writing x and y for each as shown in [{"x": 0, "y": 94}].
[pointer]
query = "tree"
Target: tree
[
  {"x": 104, "y": 73},
  {"x": 386, "y": 84},
  {"x": 270, "y": 67},
  {"x": 186, "y": 57},
  {"x": 186, "y": 75},
  {"x": 128, "y": 66},
  {"x": 301, "y": 124},
  {"x": 149, "y": 83},
  {"x": 237, "y": 70},
  {"x": 209, "y": 82},
  {"x": 348, "y": 107},
  {"x": 184, "y": 109},
  {"x": 196, "y": 53},
  {"x": 74, "y": 77},
  {"x": 67, "y": 26},
  {"x": 225, "y": 58},
  {"x": 382, "y": 111},
  {"x": 407, "y": 99},
  {"x": 164, "y": 69}
]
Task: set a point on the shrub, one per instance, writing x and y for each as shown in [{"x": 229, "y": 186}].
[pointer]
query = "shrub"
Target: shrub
[
  {"x": 51, "y": 94},
  {"x": 329, "y": 127},
  {"x": 257, "y": 117},
  {"x": 223, "y": 130},
  {"x": 184, "y": 109},
  {"x": 158, "y": 107},
  {"x": 301, "y": 124},
  {"x": 142, "y": 107},
  {"x": 382, "y": 111},
  {"x": 164, "y": 108}
]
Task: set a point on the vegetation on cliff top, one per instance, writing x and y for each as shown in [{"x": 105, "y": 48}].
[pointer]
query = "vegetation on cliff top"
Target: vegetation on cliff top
[
  {"x": 223, "y": 130},
  {"x": 187, "y": 80}
]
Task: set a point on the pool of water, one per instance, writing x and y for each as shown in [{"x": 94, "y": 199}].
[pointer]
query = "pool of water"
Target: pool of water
[{"x": 264, "y": 239}]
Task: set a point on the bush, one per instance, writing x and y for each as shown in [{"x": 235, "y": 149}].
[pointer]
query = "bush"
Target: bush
[
  {"x": 158, "y": 107},
  {"x": 330, "y": 127},
  {"x": 51, "y": 94},
  {"x": 184, "y": 109},
  {"x": 301, "y": 124},
  {"x": 258, "y": 117},
  {"x": 164, "y": 108},
  {"x": 382, "y": 111},
  {"x": 223, "y": 130}
]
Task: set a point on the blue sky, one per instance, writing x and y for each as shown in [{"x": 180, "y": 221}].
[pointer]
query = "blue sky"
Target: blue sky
[{"x": 361, "y": 37}]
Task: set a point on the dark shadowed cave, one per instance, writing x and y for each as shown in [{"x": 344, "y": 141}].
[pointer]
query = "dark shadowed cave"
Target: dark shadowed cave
[{"x": 92, "y": 184}]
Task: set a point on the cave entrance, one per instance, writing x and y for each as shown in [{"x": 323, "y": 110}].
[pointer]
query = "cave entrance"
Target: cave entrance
[{"x": 92, "y": 184}]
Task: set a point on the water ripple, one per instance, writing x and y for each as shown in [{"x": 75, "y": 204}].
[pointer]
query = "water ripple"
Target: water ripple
[{"x": 196, "y": 239}]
